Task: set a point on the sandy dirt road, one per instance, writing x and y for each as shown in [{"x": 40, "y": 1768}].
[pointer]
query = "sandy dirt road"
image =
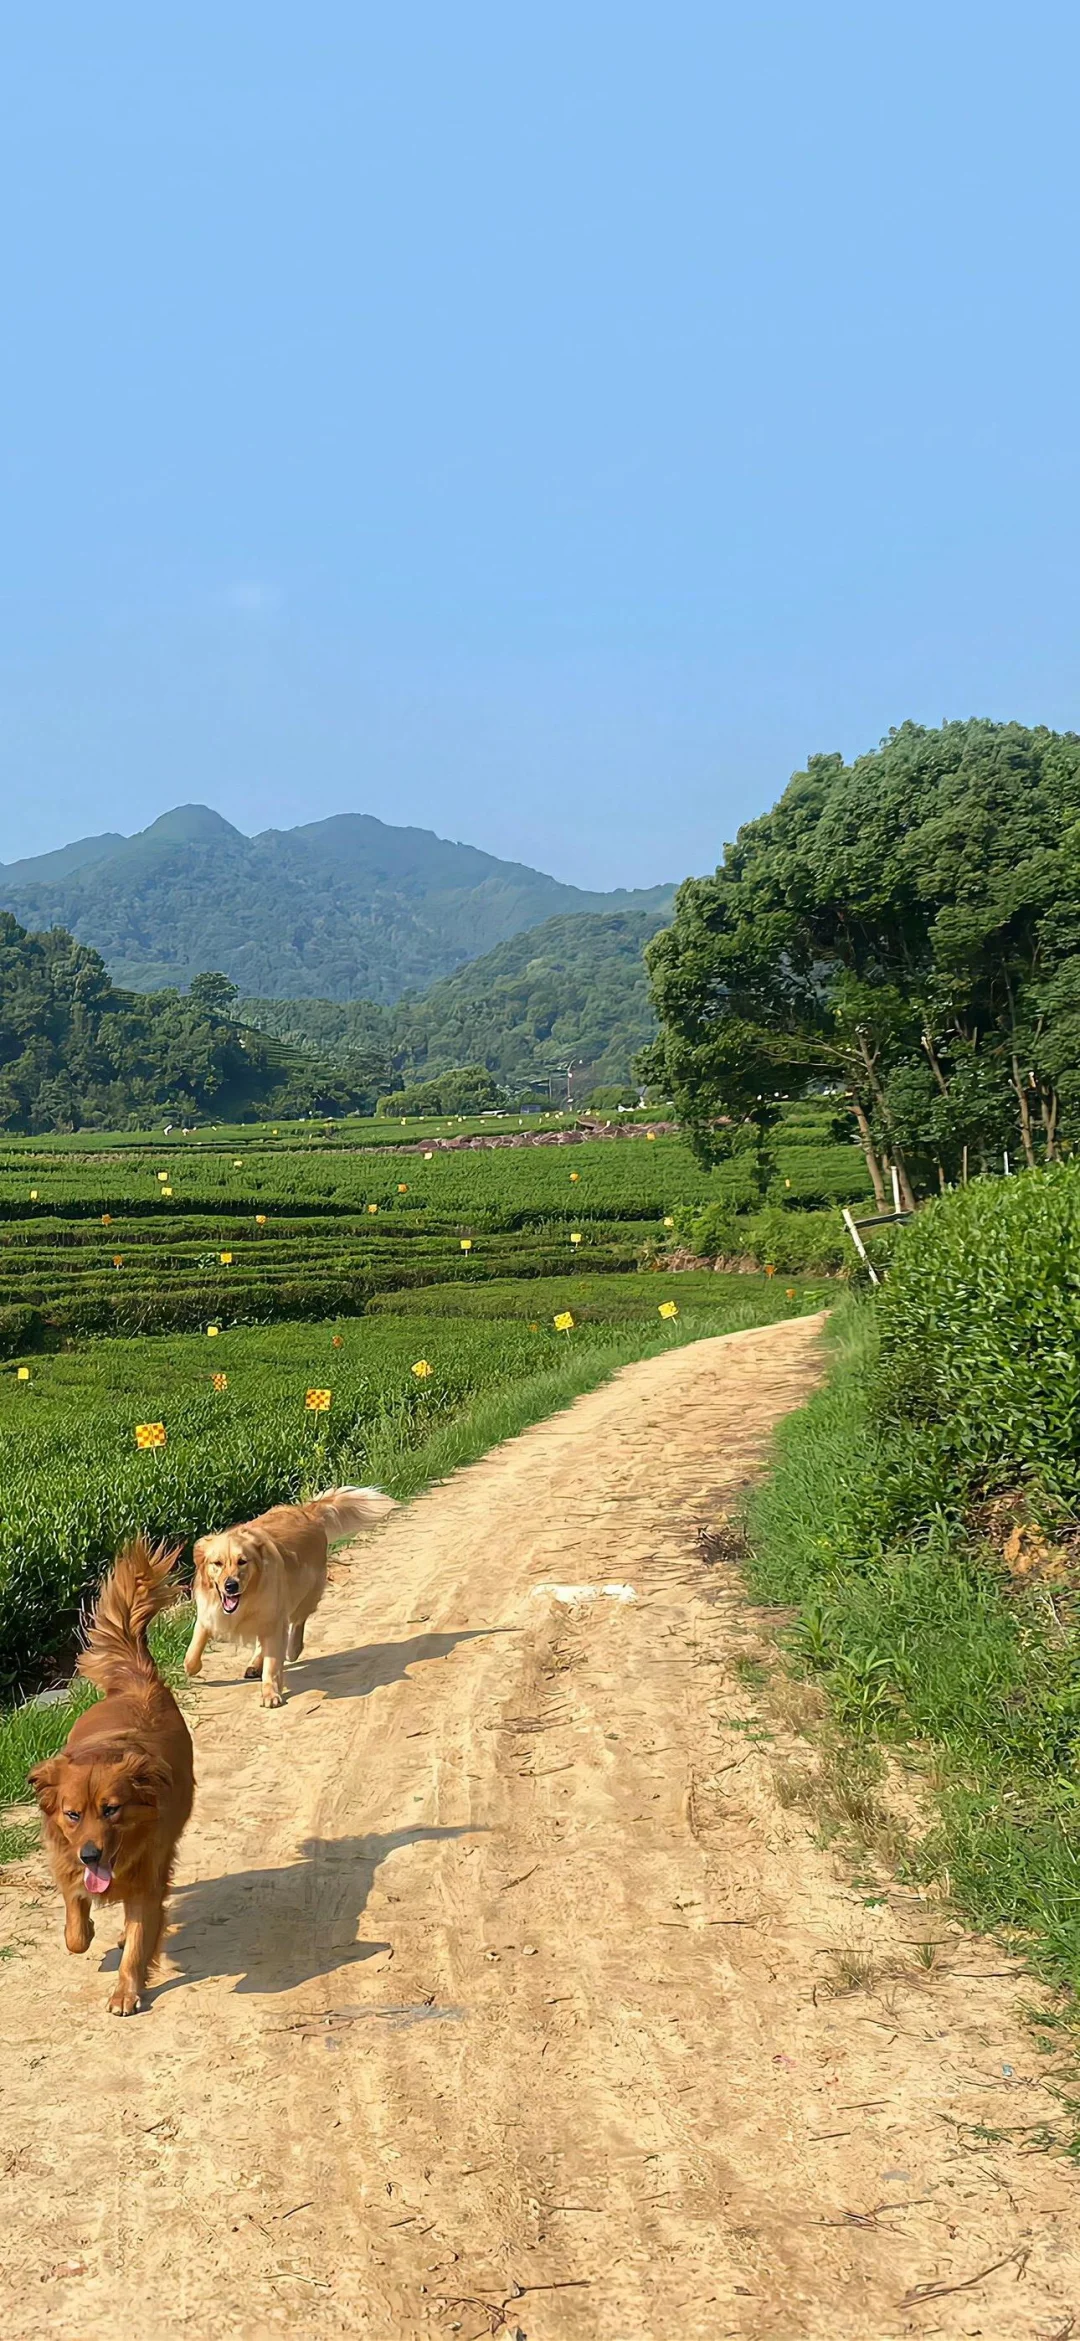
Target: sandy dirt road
[{"x": 490, "y": 1999}]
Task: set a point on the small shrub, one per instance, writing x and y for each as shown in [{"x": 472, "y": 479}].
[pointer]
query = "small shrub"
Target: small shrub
[{"x": 980, "y": 1334}]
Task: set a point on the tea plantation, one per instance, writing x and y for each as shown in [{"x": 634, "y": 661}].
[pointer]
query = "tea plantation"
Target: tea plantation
[{"x": 204, "y": 1284}]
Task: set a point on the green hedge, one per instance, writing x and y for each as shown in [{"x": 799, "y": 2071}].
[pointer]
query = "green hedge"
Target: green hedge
[
  {"x": 811, "y": 1241},
  {"x": 980, "y": 1334}
]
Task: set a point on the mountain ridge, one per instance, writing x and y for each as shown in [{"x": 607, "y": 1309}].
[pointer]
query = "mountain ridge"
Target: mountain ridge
[{"x": 335, "y": 909}]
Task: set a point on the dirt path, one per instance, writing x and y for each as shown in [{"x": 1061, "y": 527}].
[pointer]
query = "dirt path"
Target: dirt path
[{"x": 490, "y": 2004}]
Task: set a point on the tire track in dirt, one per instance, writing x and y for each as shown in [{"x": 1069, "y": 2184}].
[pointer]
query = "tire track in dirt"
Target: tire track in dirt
[{"x": 490, "y": 1998}]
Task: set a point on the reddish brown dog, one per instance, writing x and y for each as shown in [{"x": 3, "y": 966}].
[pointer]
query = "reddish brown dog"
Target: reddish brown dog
[{"x": 118, "y": 1796}]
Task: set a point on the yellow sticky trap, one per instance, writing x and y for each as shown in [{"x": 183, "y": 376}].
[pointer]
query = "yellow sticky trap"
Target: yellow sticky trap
[
  {"x": 466, "y": 1243},
  {"x": 212, "y": 1332},
  {"x": 225, "y": 1259},
  {"x": 669, "y": 1308},
  {"x": 575, "y": 1238},
  {"x": 317, "y": 1401},
  {"x": 564, "y": 1322},
  {"x": 22, "y": 1373},
  {"x": 421, "y": 1369},
  {"x": 220, "y": 1381},
  {"x": 149, "y": 1434}
]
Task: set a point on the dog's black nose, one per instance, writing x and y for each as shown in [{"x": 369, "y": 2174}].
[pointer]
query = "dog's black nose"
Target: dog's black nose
[
  {"x": 232, "y": 1584},
  {"x": 90, "y": 1855}
]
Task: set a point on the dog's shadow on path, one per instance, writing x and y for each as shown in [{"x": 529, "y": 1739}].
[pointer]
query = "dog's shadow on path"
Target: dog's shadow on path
[
  {"x": 276, "y": 1928},
  {"x": 354, "y": 1674}
]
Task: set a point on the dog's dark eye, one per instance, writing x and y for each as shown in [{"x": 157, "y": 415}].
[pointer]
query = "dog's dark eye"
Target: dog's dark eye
[
  {"x": 109, "y": 1812},
  {"x": 71, "y": 1816}
]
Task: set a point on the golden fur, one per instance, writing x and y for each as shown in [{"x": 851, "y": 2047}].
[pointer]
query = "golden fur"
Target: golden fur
[
  {"x": 119, "y": 1794},
  {"x": 260, "y": 1582}
]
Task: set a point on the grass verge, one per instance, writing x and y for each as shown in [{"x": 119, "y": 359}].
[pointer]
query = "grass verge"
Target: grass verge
[{"x": 920, "y": 1637}]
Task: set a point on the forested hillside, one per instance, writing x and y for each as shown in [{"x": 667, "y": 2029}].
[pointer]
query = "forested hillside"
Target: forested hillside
[
  {"x": 76, "y": 1052},
  {"x": 341, "y": 909},
  {"x": 574, "y": 989},
  {"x": 905, "y": 929}
]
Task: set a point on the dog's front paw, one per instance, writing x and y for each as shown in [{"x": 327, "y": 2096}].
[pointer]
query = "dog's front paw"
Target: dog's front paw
[
  {"x": 271, "y": 1696},
  {"x": 192, "y": 1666},
  {"x": 253, "y": 1674},
  {"x": 124, "y": 2001},
  {"x": 78, "y": 1935}
]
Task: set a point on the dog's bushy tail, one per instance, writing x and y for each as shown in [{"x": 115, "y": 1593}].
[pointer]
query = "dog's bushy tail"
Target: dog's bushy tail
[
  {"x": 345, "y": 1511},
  {"x": 116, "y": 1655}
]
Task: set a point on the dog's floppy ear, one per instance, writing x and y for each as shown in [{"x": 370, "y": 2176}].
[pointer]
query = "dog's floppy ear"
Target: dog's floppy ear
[
  {"x": 146, "y": 1779},
  {"x": 45, "y": 1782}
]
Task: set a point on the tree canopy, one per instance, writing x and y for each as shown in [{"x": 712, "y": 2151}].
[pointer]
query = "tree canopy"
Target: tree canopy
[
  {"x": 904, "y": 930},
  {"x": 574, "y": 989},
  {"x": 75, "y": 1052}
]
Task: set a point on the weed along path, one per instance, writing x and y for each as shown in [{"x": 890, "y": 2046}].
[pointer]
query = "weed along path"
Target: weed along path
[{"x": 504, "y": 1995}]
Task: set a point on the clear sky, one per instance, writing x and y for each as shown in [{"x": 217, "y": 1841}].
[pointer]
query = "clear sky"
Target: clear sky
[{"x": 544, "y": 424}]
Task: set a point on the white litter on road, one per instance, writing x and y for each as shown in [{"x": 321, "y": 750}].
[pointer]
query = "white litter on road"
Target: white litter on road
[{"x": 575, "y": 1593}]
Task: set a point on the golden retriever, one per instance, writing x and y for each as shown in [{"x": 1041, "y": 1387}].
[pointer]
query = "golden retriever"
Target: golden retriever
[
  {"x": 118, "y": 1796},
  {"x": 260, "y": 1582}
]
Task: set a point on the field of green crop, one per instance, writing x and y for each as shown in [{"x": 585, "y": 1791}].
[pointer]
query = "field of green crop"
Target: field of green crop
[
  {"x": 238, "y": 1433},
  {"x": 236, "y": 1228},
  {"x": 205, "y": 1283}
]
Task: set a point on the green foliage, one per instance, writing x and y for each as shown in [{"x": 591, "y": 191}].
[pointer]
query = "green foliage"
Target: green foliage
[
  {"x": 906, "y": 929},
  {"x": 571, "y": 990},
  {"x": 959, "y": 1380},
  {"x": 574, "y": 989},
  {"x": 787, "y": 1240},
  {"x": 608, "y": 1097},
  {"x": 980, "y": 1330},
  {"x": 732, "y": 1302},
  {"x": 213, "y": 993},
  {"x": 465, "y": 1089},
  {"x": 75, "y": 1051}
]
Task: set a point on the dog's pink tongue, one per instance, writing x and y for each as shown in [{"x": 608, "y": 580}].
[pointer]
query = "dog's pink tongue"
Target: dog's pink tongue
[{"x": 97, "y": 1881}]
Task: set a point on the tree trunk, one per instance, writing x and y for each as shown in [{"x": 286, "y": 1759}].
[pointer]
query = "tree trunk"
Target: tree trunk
[
  {"x": 934, "y": 1066},
  {"x": 906, "y": 1196},
  {"x": 1051, "y": 1108},
  {"x": 1020, "y": 1086},
  {"x": 866, "y": 1141}
]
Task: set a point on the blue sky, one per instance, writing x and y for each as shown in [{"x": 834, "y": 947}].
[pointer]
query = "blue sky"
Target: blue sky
[{"x": 544, "y": 425}]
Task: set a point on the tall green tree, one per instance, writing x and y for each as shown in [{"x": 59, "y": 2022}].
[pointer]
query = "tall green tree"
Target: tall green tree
[{"x": 906, "y": 930}]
